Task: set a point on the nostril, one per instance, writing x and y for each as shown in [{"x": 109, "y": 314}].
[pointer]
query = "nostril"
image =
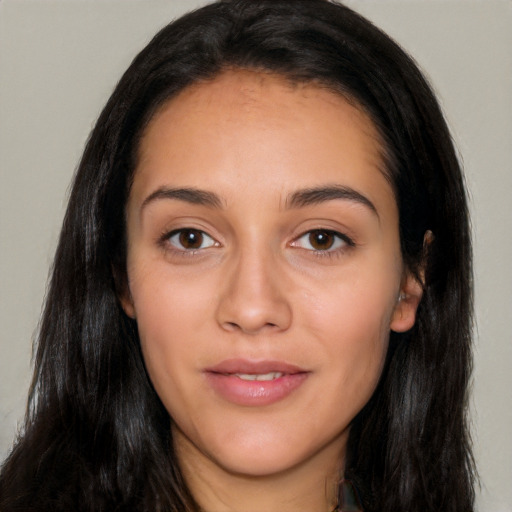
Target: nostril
[
  {"x": 251, "y": 307},
  {"x": 233, "y": 326}
]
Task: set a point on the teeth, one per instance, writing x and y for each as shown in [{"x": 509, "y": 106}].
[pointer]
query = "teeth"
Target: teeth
[{"x": 263, "y": 376}]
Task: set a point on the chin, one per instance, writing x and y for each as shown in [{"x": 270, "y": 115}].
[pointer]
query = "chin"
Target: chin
[
  {"x": 259, "y": 465},
  {"x": 260, "y": 455}
]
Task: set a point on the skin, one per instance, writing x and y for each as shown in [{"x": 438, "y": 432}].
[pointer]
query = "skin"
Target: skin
[{"x": 259, "y": 286}]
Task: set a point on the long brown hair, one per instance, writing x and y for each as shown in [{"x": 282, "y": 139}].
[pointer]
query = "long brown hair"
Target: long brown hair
[{"x": 96, "y": 436}]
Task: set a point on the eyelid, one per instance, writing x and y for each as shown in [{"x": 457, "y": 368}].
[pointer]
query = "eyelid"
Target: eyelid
[
  {"x": 342, "y": 241},
  {"x": 171, "y": 238}
]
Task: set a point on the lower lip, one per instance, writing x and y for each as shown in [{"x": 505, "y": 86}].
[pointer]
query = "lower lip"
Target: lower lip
[{"x": 253, "y": 392}]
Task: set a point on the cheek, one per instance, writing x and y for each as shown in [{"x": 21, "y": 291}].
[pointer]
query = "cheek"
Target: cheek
[
  {"x": 170, "y": 319},
  {"x": 350, "y": 321},
  {"x": 169, "y": 305}
]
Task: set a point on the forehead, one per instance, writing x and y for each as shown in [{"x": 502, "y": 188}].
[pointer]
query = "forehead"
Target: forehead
[
  {"x": 259, "y": 125},
  {"x": 245, "y": 95}
]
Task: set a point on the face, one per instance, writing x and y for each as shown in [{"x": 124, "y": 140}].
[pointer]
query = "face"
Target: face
[{"x": 264, "y": 270}]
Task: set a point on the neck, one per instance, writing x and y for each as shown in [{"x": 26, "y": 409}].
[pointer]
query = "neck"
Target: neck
[{"x": 310, "y": 486}]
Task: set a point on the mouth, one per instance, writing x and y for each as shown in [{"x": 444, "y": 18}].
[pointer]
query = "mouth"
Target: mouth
[
  {"x": 259, "y": 377},
  {"x": 255, "y": 383},
  {"x": 246, "y": 367}
]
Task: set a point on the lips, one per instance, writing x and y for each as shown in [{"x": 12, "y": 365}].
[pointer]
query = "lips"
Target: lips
[
  {"x": 259, "y": 376},
  {"x": 254, "y": 383}
]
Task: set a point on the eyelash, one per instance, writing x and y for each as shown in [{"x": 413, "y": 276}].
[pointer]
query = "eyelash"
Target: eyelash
[
  {"x": 340, "y": 243},
  {"x": 166, "y": 241}
]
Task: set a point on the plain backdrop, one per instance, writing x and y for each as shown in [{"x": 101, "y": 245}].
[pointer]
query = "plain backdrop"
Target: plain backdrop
[{"x": 59, "y": 61}]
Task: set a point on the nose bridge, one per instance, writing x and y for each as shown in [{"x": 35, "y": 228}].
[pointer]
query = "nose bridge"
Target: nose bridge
[{"x": 254, "y": 296}]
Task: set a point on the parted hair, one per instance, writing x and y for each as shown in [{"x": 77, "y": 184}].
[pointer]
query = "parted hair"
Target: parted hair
[{"x": 96, "y": 436}]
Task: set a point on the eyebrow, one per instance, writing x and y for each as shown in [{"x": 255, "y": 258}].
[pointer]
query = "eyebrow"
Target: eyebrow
[
  {"x": 298, "y": 199},
  {"x": 188, "y": 195},
  {"x": 311, "y": 196}
]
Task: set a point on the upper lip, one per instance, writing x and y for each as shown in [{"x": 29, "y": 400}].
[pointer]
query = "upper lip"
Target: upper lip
[{"x": 232, "y": 366}]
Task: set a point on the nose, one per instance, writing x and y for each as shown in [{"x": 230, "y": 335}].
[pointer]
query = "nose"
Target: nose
[{"x": 253, "y": 298}]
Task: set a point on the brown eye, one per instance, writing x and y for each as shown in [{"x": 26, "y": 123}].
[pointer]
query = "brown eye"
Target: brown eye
[
  {"x": 189, "y": 239},
  {"x": 321, "y": 240}
]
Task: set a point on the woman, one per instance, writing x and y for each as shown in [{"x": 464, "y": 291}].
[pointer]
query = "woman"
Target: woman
[{"x": 261, "y": 298}]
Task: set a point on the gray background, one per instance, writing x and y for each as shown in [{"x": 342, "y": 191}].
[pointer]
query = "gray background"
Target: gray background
[{"x": 59, "y": 61}]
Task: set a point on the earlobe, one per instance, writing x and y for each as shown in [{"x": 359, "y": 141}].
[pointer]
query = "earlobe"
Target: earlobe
[
  {"x": 404, "y": 314},
  {"x": 123, "y": 292},
  {"x": 127, "y": 304},
  {"x": 411, "y": 292}
]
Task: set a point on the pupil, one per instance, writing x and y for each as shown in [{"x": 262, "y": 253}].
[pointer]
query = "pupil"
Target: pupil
[
  {"x": 191, "y": 239},
  {"x": 321, "y": 240}
]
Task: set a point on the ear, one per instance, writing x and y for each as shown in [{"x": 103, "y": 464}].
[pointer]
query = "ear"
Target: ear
[
  {"x": 404, "y": 314},
  {"x": 127, "y": 303},
  {"x": 123, "y": 292},
  {"x": 411, "y": 292}
]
